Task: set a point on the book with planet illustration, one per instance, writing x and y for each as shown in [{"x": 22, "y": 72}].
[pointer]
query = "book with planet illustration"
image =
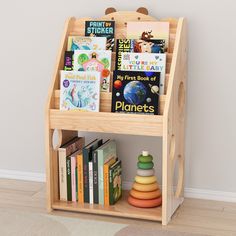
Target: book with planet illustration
[
  {"x": 86, "y": 43},
  {"x": 139, "y": 46},
  {"x": 101, "y": 29},
  {"x": 80, "y": 90},
  {"x": 149, "y": 30},
  {"x": 97, "y": 60},
  {"x": 135, "y": 92},
  {"x": 155, "y": 62}
]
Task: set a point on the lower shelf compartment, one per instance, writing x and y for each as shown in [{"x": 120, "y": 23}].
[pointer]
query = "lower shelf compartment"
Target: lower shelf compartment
[{"x": 120, "y": 209}]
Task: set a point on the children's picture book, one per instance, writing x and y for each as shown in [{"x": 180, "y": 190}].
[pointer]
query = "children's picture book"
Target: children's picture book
[
  {"x": 152, "y": 62},
  {"x": 80, "y": 90},
  {"x": 135, "y": 92},
  {"x": 68, "y": 60},
  {"x": 99, "y": 60},
  {"x": 86, "y": 43},
  {"x": 101, "y": 29},
  {"x": 149, "y": 30},
  {"x": 139, "y": 46}
]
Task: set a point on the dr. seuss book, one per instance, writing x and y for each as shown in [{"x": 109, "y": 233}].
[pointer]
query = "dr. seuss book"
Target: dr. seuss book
[
  {"x": 99, "y": 60},
  {"x": 86, "y": 43},
  {"x": 148, "y": 30},
  {"x": 138, "y": 45},
  {"x": 101, "y": 29},
  {"x": 135, "y": 92},
  {"x": 155, "y": 62},
  {"x": 80, "y": 90}
]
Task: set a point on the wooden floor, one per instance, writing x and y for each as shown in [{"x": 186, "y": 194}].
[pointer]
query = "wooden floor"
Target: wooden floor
[{"x": 196, "y": 216}]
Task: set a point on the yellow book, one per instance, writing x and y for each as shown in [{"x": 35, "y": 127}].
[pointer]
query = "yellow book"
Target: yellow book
[
  {"x": 80, "y": 178},
  {"x": 106, "y": 179}
]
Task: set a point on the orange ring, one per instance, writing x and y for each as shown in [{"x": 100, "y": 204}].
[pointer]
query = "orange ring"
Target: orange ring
[
  {"x": 145, "y": 195},
  {"x": 145, "y": 187},
  {"x": 144, "y": 203}
]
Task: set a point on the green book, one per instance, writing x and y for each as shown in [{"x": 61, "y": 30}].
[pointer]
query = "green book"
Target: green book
[{"x": 68, "y": 174}]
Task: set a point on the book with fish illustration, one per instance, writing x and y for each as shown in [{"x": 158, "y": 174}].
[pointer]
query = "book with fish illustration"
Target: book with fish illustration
[
  {"x": 86, "y": 43},
  {"x": 99, "y": 60},
  {"x": 80, "y": 90}
]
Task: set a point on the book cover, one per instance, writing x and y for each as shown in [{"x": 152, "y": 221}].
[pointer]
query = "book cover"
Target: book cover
[
  {"x": 68, "y": 60},
  {"x": 86, "y": 43},
  {"x": 68, "y": 177},
  {"x": 149, "y": 30},
  {"x": 64, "y": 151},
  {"x": 139, "y": 46},
  {"x": 91, "y": 60},
  {"x": 106, "y": 180},
  {"x": 80, "y": 90},
  {"x": 135, "y": 92},
  {"x": 115, "y": 182},
  {"x": 147, "y": 62},
  {"x": 80, "y": 178},
  {"x": 105, "y": 152},
  {"x": 87, "y": 157},
  {"x": 101, "y": 29}
]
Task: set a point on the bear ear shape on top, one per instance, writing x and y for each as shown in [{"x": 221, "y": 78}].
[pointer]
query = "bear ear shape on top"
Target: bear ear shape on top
[
  {"x": 110, "y": 10},
  {"x": 142, "y": 10}
]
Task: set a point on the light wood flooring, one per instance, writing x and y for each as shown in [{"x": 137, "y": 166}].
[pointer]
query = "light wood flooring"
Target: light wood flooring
[{"x": 196, "y": 216}]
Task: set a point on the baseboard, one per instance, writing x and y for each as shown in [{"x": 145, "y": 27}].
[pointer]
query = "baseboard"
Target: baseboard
[{"x": 188, "y": 192}]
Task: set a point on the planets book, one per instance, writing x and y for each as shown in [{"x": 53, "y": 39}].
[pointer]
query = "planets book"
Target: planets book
[{"x": 135, "y": 92}]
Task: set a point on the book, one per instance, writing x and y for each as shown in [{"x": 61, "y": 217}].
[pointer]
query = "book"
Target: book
[
  {"x": 87, "y": 157},
  {"x": 68, "y": 60},
  {"x": 105, "y": 152},
  {"x": 147, "y": 62},
  {"x": 101, "y": 29},
  {"x": 80, "y": 90},
  {"x": 139, "y": 46},
  {"x": 68, "y": 177},
  {"x": 115, "y": 182},
  {"x": 86, "y": 43},
  {"x": 135, "y": 92},
  {"x": 64, "y": 151},
  {"x": 149, "y": 30},
  {"x": 91, "y": 60},
  {"x": 80, "y": 178},
  {"x": 106, "y": 180},
  {"x": 90, "y": 182}
]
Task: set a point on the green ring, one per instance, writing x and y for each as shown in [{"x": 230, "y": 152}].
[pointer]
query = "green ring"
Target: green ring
[
  {"x": 145, "y": 165},
  {"x": 142, "y": 158}
]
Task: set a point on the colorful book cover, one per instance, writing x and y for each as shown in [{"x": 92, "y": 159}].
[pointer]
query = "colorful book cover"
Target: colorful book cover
[
  {"x": 101, "y": 29},
  {"x": 105, "y": 152},
  {"x": 115, "y": 182},
  {"x": 139, "y": 46},
  {"x": 149, "y": 30},
  {"x": 135, "y": 92},
  {"x": 68, "y": 177},
  {"x": 99, "y": 61},
  {"x": 86, "y": 43},
  {"x": 149, "y": 62},
  {"x": 80, "y": 178},
  {"x": 80, "y": 90},
  {"x": 68, "y": 60}
]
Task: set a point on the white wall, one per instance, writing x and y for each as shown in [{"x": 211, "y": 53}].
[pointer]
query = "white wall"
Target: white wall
[{"x": 29, "y": 39}]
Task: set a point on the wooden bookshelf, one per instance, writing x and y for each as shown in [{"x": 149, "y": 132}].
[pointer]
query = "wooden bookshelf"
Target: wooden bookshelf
[{"x": 169, "y": 125}]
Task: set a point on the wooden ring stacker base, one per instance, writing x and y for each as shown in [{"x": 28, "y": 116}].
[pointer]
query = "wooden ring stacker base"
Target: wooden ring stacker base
[{"x": 144, "y": 203}]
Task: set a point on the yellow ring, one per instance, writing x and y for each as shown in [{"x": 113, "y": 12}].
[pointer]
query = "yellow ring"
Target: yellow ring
[
  {"x": 145, "y": 187},
  {"x": 145, "y": 179},
  {"x": 145, "y": 195}
]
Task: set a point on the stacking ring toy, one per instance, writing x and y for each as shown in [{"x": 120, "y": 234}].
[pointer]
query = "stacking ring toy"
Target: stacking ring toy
[
  {"x": 145, "y": 179},
  {"x": 145, "y": 187},
  {"x": 145, "y": 165},
  {"x": 144, "y": 203},
  {"x": 142, "y": 158},
  {"x": 145, "y": 195},
  {"x": 142, "y": 172}
]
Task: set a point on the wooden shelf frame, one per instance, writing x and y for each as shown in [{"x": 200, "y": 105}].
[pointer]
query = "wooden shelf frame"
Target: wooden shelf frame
[{"x": 169, "y": 125}]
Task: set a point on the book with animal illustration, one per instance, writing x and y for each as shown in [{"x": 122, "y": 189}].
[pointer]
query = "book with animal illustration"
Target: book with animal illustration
[
  {"x": 99, "y": 60},
  {"x": 80, "y": 90},
  {"x": 149, "y": 30},
  {"x": 101, "y": 29},
  {"x": 135, "y": 92},
  {"x": 86, "y": 43},
  {"x": 152, "y": 62},
  {"x": 139, "y": 46}
]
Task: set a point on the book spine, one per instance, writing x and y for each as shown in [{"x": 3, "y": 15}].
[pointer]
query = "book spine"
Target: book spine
[
  {"x": 100, "y": 178},
  {"x": 80, "y": 179},
  {"x": 76, "y": 181},
  {"x": 111, "y": 199},
  {"x": 95, "y": 177},
  {"x": 62, "y": 175},
  {"x": 86, "y": 175},
  {"x": 68, "y": 172},
  {"x": 106, "y": 184},
  {"x": 73, "y": 180},
  {"x": 91, "y": 182}
]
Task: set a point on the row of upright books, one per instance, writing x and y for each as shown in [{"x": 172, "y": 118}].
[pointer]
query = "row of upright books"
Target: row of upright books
[{"x": 91, "y": 173}]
